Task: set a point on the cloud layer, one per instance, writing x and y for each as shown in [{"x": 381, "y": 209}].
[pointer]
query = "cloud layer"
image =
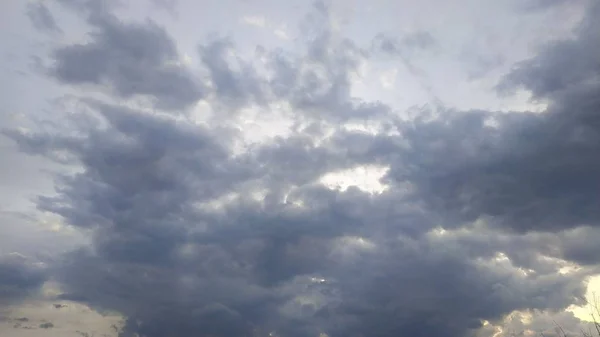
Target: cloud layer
[{"x": 192, "y": 235}]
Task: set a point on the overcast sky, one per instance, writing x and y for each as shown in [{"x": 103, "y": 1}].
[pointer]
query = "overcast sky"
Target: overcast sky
[{"x": 297, "y": 168}]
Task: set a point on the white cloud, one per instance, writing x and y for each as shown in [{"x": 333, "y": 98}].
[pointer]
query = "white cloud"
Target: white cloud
[
  {"x": 257, "y": 21},
  {"x": 281, "y": 33}
]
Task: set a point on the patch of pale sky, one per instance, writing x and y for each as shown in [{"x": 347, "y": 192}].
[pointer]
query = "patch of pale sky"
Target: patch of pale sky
[
  {"x": 260, "y": 124},
  {"x": 388, "y": 78},
  {"x": 219, "y": 203},
  {"x": 71, "y": 319},
  {"x": 62, "y": 318},
  {"x": 291, "y": 200},
  {"x": 278, "y": 30},
  {"x": 282, "y": 33},
  {"x": 366, "y": 178},
  {"x": 351, "y": 244}
]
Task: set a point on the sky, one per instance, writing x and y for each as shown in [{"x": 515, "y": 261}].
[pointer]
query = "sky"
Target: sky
[{"x": 176, "y": 168}]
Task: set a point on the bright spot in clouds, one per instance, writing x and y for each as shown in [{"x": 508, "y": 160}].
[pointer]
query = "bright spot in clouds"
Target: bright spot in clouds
[
  {"x": 291, "y": 168},
  {"x": 365, "y": 178}
]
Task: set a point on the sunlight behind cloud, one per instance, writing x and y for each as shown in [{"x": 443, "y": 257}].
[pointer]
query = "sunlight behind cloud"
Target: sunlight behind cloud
[
  {"x": 593, "y": 297},
  {"x": 365, "y": 178}
]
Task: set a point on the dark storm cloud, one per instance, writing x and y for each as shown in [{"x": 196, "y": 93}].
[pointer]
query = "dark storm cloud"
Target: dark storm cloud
[
  {"x": 41, "y": 18},
  {"x": 581, "y": 245},
  {"x": 530, "y": 171},
  {"x": 19, "y": 278},
  {"x": 129, "y": 59},
  {"x": 306, "y": 259},
  {"x": 418, "y": 293},
  {"x": 134, "y": 164},
  {"x": 175, "y": 268}
]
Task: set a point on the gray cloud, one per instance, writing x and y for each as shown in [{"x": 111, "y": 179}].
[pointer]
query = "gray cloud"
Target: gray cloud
[
  {"x": 306, "y": 259},
  {"x": 530, "y": 171},
  {"x": 580, "y": 245},
  {"x": 19, "y": 278},
  {"x": 234, "y": 88},
  {"x": 318, "y": 79},
  {"x": 445, "y": 276},
  {"x": 178, "y": 269},
  {"x": 41, "y": 18},
  {"x": 129, "y": 60}
]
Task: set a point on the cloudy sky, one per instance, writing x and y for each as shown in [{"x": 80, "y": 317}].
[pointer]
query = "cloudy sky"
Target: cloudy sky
[{"x": 176, "y": 168}]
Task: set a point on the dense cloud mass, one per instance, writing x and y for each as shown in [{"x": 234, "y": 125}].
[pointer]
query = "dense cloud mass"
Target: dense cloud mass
[
  {"x": 528, "y": 172},
  {"x": 192, "y": 236},
  {"x": 19, "y": 278},
  {"x": 128, "y": 60}
]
